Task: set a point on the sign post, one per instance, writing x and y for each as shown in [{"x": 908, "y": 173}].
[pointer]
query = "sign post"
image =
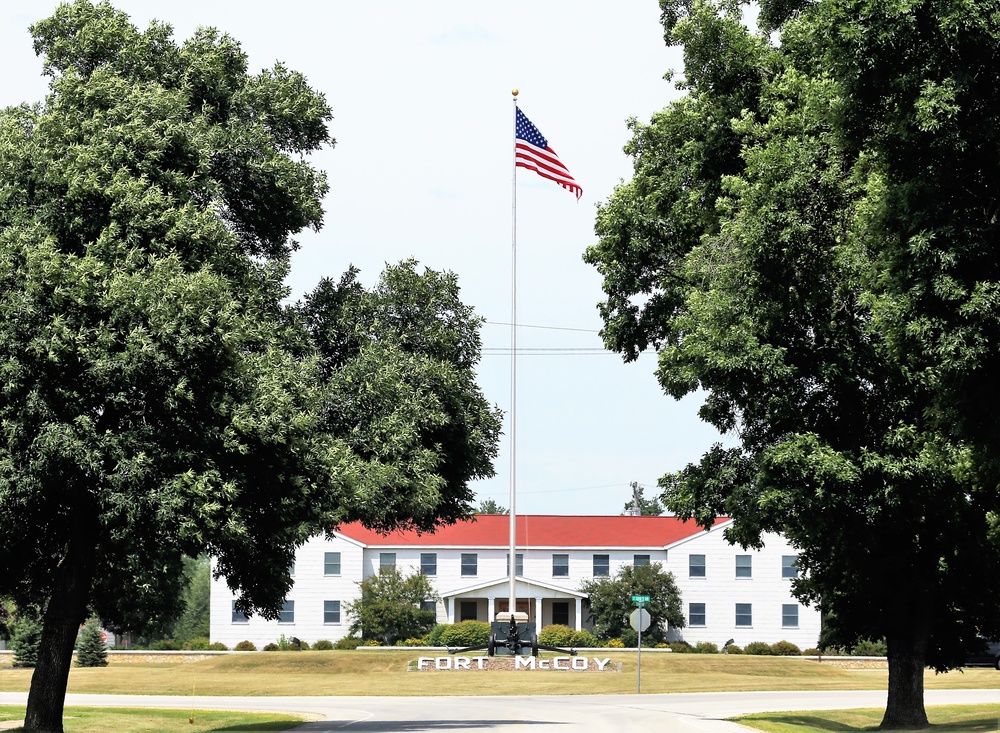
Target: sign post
[{"x": 639, "y": 620}]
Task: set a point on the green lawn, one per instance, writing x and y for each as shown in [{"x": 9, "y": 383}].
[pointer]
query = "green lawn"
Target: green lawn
[
  {"x": 945, "y": 719},
  {"x": 101, "y": 720}
]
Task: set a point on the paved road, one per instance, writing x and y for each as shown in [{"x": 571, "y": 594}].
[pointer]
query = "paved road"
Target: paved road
[{"x": 680, "y": 713}]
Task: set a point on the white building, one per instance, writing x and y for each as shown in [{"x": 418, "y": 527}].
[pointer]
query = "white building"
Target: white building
[{"x": 727, "y": 593}]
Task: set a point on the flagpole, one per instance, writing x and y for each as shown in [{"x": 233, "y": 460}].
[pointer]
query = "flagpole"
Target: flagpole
[{"x": 512, "y": 561}]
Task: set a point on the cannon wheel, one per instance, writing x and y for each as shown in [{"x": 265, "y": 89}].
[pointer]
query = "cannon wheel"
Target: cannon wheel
[
  {"x": 491, "y": 647},
  {"x": 534, "y": 644}
]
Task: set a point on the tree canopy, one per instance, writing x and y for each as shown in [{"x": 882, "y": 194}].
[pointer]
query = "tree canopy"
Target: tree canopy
[
  {"x": 611, "y": 604},
  {"x": 809, "y": 240},
  {"x": 160, "y": 400},
  {"x": 389, "y": 607}
]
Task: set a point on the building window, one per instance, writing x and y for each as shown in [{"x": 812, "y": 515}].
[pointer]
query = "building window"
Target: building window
[
  {"x": 696, "y": 566},
  {"x": 518, "y": 564},
  {"x": 638, "y": 560},
  {"x": 331, "y": 612},
  {"x": 238, "y": 616},
  {"x": 429, "y": 606},
  {"x": 468, "y": 611},
  {"x": 386, "y": 560},
  {"x": 790, "y": 615},
  {"x": 428, "y": 563},
  {"x": 789, "y": 566},
  {"x": 287, "y": 613},
  {"x": 744, "y": 614},
  {"x": 560, "y": 566},
  {"x": 470, "y": 564},
  {"x": 696, "y": 614},
  {"x": 744, "y": 566},
  {"x": 602, "y": 566},
  {"x": 560, "y": 612},
  {"x": 331, "y": 563}
]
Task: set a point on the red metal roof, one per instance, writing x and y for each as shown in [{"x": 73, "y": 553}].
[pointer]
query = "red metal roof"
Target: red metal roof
[{"x": 538, "y": 530}]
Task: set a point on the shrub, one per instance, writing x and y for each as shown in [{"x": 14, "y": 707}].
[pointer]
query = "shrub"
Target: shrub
[
  {"x": 869, "y": 648},
  {"x": 614, "y": 644},
  {"x": 434, "y": 637},
  {"x": 272, "y": 647},
  {"x": 583, "y": 639},
  {"x": 811, "y": 652},
  {"x": 466, "y": 633},
  {"x": 785, "y": 649},
  {"x": 412, "y": 642},
  {"x": 245, "y": 646},
  {"x": 705, "y": 647},
  {"x": 25, "y": 639},
  {"x": 91, "y": 651},
  {"x": 630, "y": 638},
  {"x": 760, "y": 648},
  {"x": 372, "y": 642},
  {"x": 732, "y": 649},
  {"x": 348, "y": 643},
  {"x": 555, "y": 635},
  {"x": 217, "y": 646},
  {"x": 322, "y": 645},
  {"x": 164, "y": 645},
  {"x": 663, "y": 645},
  {"x": 197, "y": 644},
  {"x": 681, "y": 647}
]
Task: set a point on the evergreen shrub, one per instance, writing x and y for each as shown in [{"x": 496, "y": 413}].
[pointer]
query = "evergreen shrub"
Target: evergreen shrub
[
  {"x": 323, "y": 645},
  {"x": 272, "y": 647},
  {"x": 583, "y": 639},
  {"x": 869, "y": 648},
  {"x": 197, "y": 644},
  {"x": 681, "y": 647},
  {"x": 25, "y": 639},
  {"x": 245, "y": 646},
  {"x": 217, "y": 646},
  {"x": 348, "y": 643},
  {"x": 733, "y": 649},
  {"x": 705, "y": 647},
  {"x": 91, "y": 651},
  {"x": 434, "y": 637}
]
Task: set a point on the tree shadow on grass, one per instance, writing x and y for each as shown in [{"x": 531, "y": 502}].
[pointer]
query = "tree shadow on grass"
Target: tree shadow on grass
[
  {"x": 986, "y": 724},
  {"x": 403, "y": 726}
]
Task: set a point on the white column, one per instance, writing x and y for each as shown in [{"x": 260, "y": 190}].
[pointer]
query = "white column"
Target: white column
[
  {"x": 579, "y": 614},
  {"x": 538, "y": 614},
  {"x": 449, "y": 607},
  {"x": 490, "y": 613}
]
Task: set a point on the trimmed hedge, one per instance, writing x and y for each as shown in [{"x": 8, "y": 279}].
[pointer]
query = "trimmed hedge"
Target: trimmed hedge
[
  {"x": 245, "y": 646},
  {"x": 466, "y": 633},
  {"x": 556, "y": 635}
]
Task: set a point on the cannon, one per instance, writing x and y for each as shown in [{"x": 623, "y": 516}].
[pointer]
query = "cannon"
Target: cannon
[{"x": 511, "y": 634}]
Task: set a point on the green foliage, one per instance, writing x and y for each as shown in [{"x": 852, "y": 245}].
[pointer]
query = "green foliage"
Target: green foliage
[
  {"x": 809, "y": 242},
  {"x": 217, "y": 646},
  {"x": 733, "y": 649},
  {"x": 614, "y": 644},
  {"x": 785, "y": 649},
  {"x": 322, "y": 645},
  {"x": 25, "y": 640},
  {"x": 245, "y": 646},
  {"x": 489, "y": 506},
  {"x": 153, "y": 373},
  {"x": 705, "y": 647},
  {"x": 194, "y": 621},
  {"x": 389, "y": 606},
  {"x": 680, "y": 647},
  {"x": 165, "y": 645},
  {"x": 465, "y": 633},
  {"x": 811, "y": 652},
  {"x": 583, "y": 639},
  {"x": 556, "y": 635},
  {"x": 610, "y": 603},
  {"x": 348, "y": 643},
  {"x": 271, "y": 647},
  {"x": 91, "y": 650},
  {"x": 197, "y": 644},
  {"x": 759, "y": 648},
  {"x": 434, "y": 635},
  {"x": 868, "y": 648}
]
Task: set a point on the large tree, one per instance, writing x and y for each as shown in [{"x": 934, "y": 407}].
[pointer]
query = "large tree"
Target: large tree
[
  {"x": 158, "y": 400},
  {"x": 809, "y": 241},
  {"x": 390, "y": 606},
  {"x": 611, "y": 604}
]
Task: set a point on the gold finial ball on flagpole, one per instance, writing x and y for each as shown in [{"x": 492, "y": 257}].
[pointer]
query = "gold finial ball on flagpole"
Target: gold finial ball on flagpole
[{"x": 514, "y": 92}]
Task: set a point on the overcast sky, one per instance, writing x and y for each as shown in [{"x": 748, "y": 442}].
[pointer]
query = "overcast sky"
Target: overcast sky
[{"x": 422, "y": 167}]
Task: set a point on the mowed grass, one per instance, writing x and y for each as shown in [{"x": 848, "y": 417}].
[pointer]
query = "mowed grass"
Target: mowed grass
[
  {"x": 101, "y": 720},
  {"x": 944, "y": 718},
  {"x": 385, "y": 673}
]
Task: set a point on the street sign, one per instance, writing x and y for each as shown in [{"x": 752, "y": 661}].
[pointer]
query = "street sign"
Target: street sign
[
  {"x": 639, "y": 619},
  {"x": 640, "y": 599}
]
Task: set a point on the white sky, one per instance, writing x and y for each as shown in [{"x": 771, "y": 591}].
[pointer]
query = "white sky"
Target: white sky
[{"x": 423, "y": 118}]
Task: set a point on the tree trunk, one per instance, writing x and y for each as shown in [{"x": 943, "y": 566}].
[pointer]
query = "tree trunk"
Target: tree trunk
[
  {"x": 907, "y": 653},
  {"x": 66, "y": 610}
]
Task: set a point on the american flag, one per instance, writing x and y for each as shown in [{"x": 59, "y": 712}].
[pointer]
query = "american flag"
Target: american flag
[{"x": 532, "y": 151}]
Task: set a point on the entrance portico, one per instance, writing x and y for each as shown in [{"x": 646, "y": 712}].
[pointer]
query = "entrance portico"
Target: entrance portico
[{"x": 544, "y": 603}]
